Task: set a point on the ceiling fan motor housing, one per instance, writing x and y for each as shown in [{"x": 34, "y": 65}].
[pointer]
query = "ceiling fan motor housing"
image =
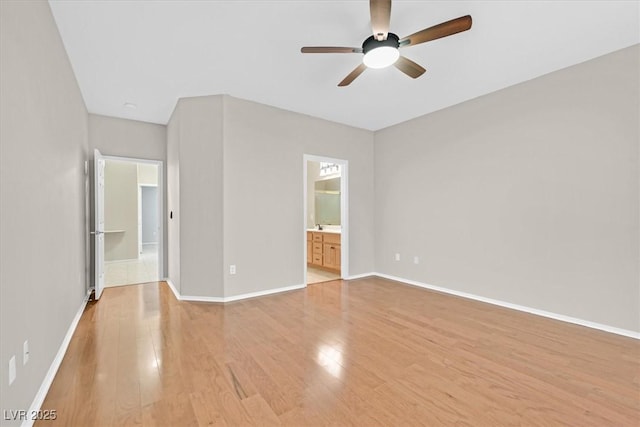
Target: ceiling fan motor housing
[{"x": 371, "y": 43}]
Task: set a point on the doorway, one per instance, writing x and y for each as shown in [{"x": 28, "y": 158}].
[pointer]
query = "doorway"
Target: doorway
[
  {"x": 132, "y": 221},
  {"x": 325, "y": 219}
]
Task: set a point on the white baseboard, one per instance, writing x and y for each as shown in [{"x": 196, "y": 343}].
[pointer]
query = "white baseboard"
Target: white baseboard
[
  {"x": 173, "y": 288},
  {"x": 55, "y": 365},
  {"x": 115, "y": 261},
  {"x": 196, "y": 298},
  {"x": 360, "y": 276},
  {"x": 556, "y": 316},
  {"x": 263, "y": 293}
]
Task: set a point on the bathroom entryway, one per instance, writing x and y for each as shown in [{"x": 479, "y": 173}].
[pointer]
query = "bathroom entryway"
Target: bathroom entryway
[
  {"x": 129, "y": 192},
  {"x": 325, "y": 205}
]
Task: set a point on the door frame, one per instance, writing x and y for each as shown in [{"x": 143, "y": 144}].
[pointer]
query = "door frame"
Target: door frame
[
  {"x": 161, "y": 219},
  {"x": 99, "y": 164},
  {"x": 344, "y": 211}
]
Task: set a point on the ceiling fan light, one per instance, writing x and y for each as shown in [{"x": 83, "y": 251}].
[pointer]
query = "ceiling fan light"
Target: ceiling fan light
[{"x": 381, "y": 57}]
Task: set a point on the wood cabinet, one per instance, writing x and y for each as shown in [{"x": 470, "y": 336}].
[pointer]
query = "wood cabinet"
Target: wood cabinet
[
  {"x": 323, "y": 250},
  {"x": 331, "y": 256}
]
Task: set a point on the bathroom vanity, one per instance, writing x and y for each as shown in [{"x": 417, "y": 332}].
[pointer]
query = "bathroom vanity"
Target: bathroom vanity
[{"x": 323, "y": 249}]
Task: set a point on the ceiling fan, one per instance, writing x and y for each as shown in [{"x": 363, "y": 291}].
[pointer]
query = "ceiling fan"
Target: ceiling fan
[{"x": 381, "y": 49}]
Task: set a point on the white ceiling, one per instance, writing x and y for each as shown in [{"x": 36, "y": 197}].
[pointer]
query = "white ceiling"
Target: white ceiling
[{"x": 151, "y": 53}]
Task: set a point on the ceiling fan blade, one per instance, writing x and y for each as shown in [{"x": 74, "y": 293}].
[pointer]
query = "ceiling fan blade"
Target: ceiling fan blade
[
  {"x": 380, "y": 17},
  {"x": 409, "y": 67},
  {"x": 352, "y": 75},
  {"x": 330, "y": 49},
  {"x": 445, "y": 29}
]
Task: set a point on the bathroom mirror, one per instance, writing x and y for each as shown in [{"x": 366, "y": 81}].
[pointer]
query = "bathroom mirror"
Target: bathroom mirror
[{"x": 327, "y": 201}]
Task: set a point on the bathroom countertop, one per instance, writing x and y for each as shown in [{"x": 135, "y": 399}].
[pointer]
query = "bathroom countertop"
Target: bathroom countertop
[{"x": 334, "y": 231}]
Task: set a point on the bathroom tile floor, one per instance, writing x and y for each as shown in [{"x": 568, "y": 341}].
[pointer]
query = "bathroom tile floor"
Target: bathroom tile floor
[
  {"x": 128, "y": 272},
  {"x": 315, "y": 275}
]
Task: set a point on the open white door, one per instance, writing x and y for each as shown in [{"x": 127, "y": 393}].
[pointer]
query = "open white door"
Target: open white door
[
  {"x": 98, "y": 245},
  {"x": 139, "y": 218}
]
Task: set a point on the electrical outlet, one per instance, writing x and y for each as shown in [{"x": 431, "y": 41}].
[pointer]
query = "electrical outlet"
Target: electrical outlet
[
  {"x": 416, "y": 260},
  {"x": 397, "y": 257},
  {"x": 232, "y": 269},
  {"x": 25, "y": 352},
  {"x": 12, "y": 370}
]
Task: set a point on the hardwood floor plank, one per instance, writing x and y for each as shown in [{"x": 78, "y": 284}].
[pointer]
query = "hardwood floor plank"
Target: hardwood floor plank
[
  {"x": 368, "y": 352},
  {"x": 207, "y": 409},
  {"x": 260, "y": 412}
]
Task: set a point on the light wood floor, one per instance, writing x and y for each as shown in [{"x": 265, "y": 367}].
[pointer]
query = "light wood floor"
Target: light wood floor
[{"x": 369, "y": 352}]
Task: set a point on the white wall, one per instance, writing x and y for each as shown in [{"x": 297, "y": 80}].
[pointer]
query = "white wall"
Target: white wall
[
  {"x": 43, "y": 146},
  {"x": 528, "y": 195},
  {"x": 263, "y": 193}
]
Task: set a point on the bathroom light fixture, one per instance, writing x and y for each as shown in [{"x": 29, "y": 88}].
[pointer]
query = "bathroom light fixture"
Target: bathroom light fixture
[{"x": 328, "y": 168}]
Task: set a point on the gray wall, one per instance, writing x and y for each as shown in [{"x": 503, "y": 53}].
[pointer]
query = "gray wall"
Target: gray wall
[
  {"x": 263, "y": 193},
  {"x": 43, "y": 145},
  {"x": 133, "y": 139},
  {"x": 127, "y": 138},
  {"x": 235, "y": 187},
  {"x": 195, "y": 140},
  {"x": 528, "y": 195},
  {"x": 149, "y": 208},
  {"x": 121, "y": 210}
]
